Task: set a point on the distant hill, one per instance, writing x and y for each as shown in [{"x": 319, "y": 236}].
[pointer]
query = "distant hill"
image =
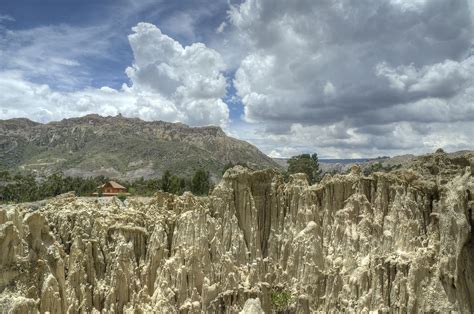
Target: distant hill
[
  {"x": 368, "y": 164},
  {"x": 125, "y": 148},
  {"x": 327, "y": 164}
]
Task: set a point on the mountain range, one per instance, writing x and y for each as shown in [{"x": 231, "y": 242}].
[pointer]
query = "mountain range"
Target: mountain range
[{"x": 119, "y": 147}]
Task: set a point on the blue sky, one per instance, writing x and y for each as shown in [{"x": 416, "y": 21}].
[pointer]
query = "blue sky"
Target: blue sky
[
  {"x": 119, "y": 16},
  {"x": 344, "y": 79}
]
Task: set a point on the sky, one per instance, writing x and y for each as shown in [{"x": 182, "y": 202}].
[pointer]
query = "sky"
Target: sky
[{"x": 342, "y": 78}]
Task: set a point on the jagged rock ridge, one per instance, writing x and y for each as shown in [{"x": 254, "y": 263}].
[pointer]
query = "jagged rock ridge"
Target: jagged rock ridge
[
  {"x": 120, "y": 147},
  {"x": 392, "y": 242}
]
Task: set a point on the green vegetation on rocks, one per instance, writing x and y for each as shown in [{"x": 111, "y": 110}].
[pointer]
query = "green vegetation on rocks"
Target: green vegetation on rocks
[{"x": 281, "y": 299}]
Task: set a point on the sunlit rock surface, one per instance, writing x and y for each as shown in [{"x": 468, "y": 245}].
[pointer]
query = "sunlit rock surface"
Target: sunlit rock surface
[{"x": 396, "y": 242}]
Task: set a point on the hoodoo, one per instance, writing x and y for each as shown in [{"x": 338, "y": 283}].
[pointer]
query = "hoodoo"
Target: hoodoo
[{"x": 399, "y": 241}]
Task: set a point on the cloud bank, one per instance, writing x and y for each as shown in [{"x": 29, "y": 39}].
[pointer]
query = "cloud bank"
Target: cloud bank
[{"x": 358, "y": 76}]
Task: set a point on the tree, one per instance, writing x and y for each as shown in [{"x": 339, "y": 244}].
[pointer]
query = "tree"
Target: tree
[
  {"x": 53, "y": 185},
  {"x": 166, "y": 181},
  {"x": 177, "y": 185},
  {"x": 200, "y": 182},
  {"x": 314, "y": 156},
  {"x": 307, "y": 164}
]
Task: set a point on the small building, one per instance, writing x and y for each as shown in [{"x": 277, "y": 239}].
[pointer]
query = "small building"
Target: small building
[{"x": 111, "y": 188}]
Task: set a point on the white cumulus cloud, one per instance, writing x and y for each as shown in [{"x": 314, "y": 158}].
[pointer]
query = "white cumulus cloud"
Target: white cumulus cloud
[{"x": 168, "y": 82}]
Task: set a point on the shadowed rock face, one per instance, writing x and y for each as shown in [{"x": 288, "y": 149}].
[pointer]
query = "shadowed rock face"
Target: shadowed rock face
[{"x": 401, "y": 241}]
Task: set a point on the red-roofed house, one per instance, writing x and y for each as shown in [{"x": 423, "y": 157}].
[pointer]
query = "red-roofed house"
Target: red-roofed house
[{"x": 111, "y": 188}]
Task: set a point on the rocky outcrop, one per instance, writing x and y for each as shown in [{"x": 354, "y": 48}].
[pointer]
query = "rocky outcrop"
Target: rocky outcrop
[{"x": 392, "y": 242}]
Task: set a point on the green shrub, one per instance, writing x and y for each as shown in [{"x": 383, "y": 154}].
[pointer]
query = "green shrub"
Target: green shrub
[
  {"x": 281, "y": 299},
  {"x": 122, "y": 197}
]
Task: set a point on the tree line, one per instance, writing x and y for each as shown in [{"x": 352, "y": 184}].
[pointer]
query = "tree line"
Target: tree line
[
  {"x": 199, "y": 184},
  {"x": 19, "y": 187},
  {"x": 29, "y": 188}
]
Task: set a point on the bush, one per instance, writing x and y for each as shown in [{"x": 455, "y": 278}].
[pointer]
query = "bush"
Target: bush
[
  {"x": 122, "y": 197},
  {"x": 281, "y": 299}
]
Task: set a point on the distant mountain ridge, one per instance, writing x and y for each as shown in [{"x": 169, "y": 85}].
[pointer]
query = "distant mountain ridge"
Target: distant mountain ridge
[
  {"x": 344, "y": 165},
  {"x": 119, "y": 147}
]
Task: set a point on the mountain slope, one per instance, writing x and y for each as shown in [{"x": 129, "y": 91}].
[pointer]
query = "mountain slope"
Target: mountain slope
[{"x": 120, "y": 147}]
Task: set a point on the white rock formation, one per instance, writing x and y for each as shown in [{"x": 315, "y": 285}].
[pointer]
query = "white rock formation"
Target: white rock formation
[
  {"x": 396, "y": 242},
  {"x": 252, "y": 306}
]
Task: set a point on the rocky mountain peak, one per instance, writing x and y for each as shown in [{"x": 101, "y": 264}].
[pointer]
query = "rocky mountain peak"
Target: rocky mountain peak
[{"x": 121, "y": 147}]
